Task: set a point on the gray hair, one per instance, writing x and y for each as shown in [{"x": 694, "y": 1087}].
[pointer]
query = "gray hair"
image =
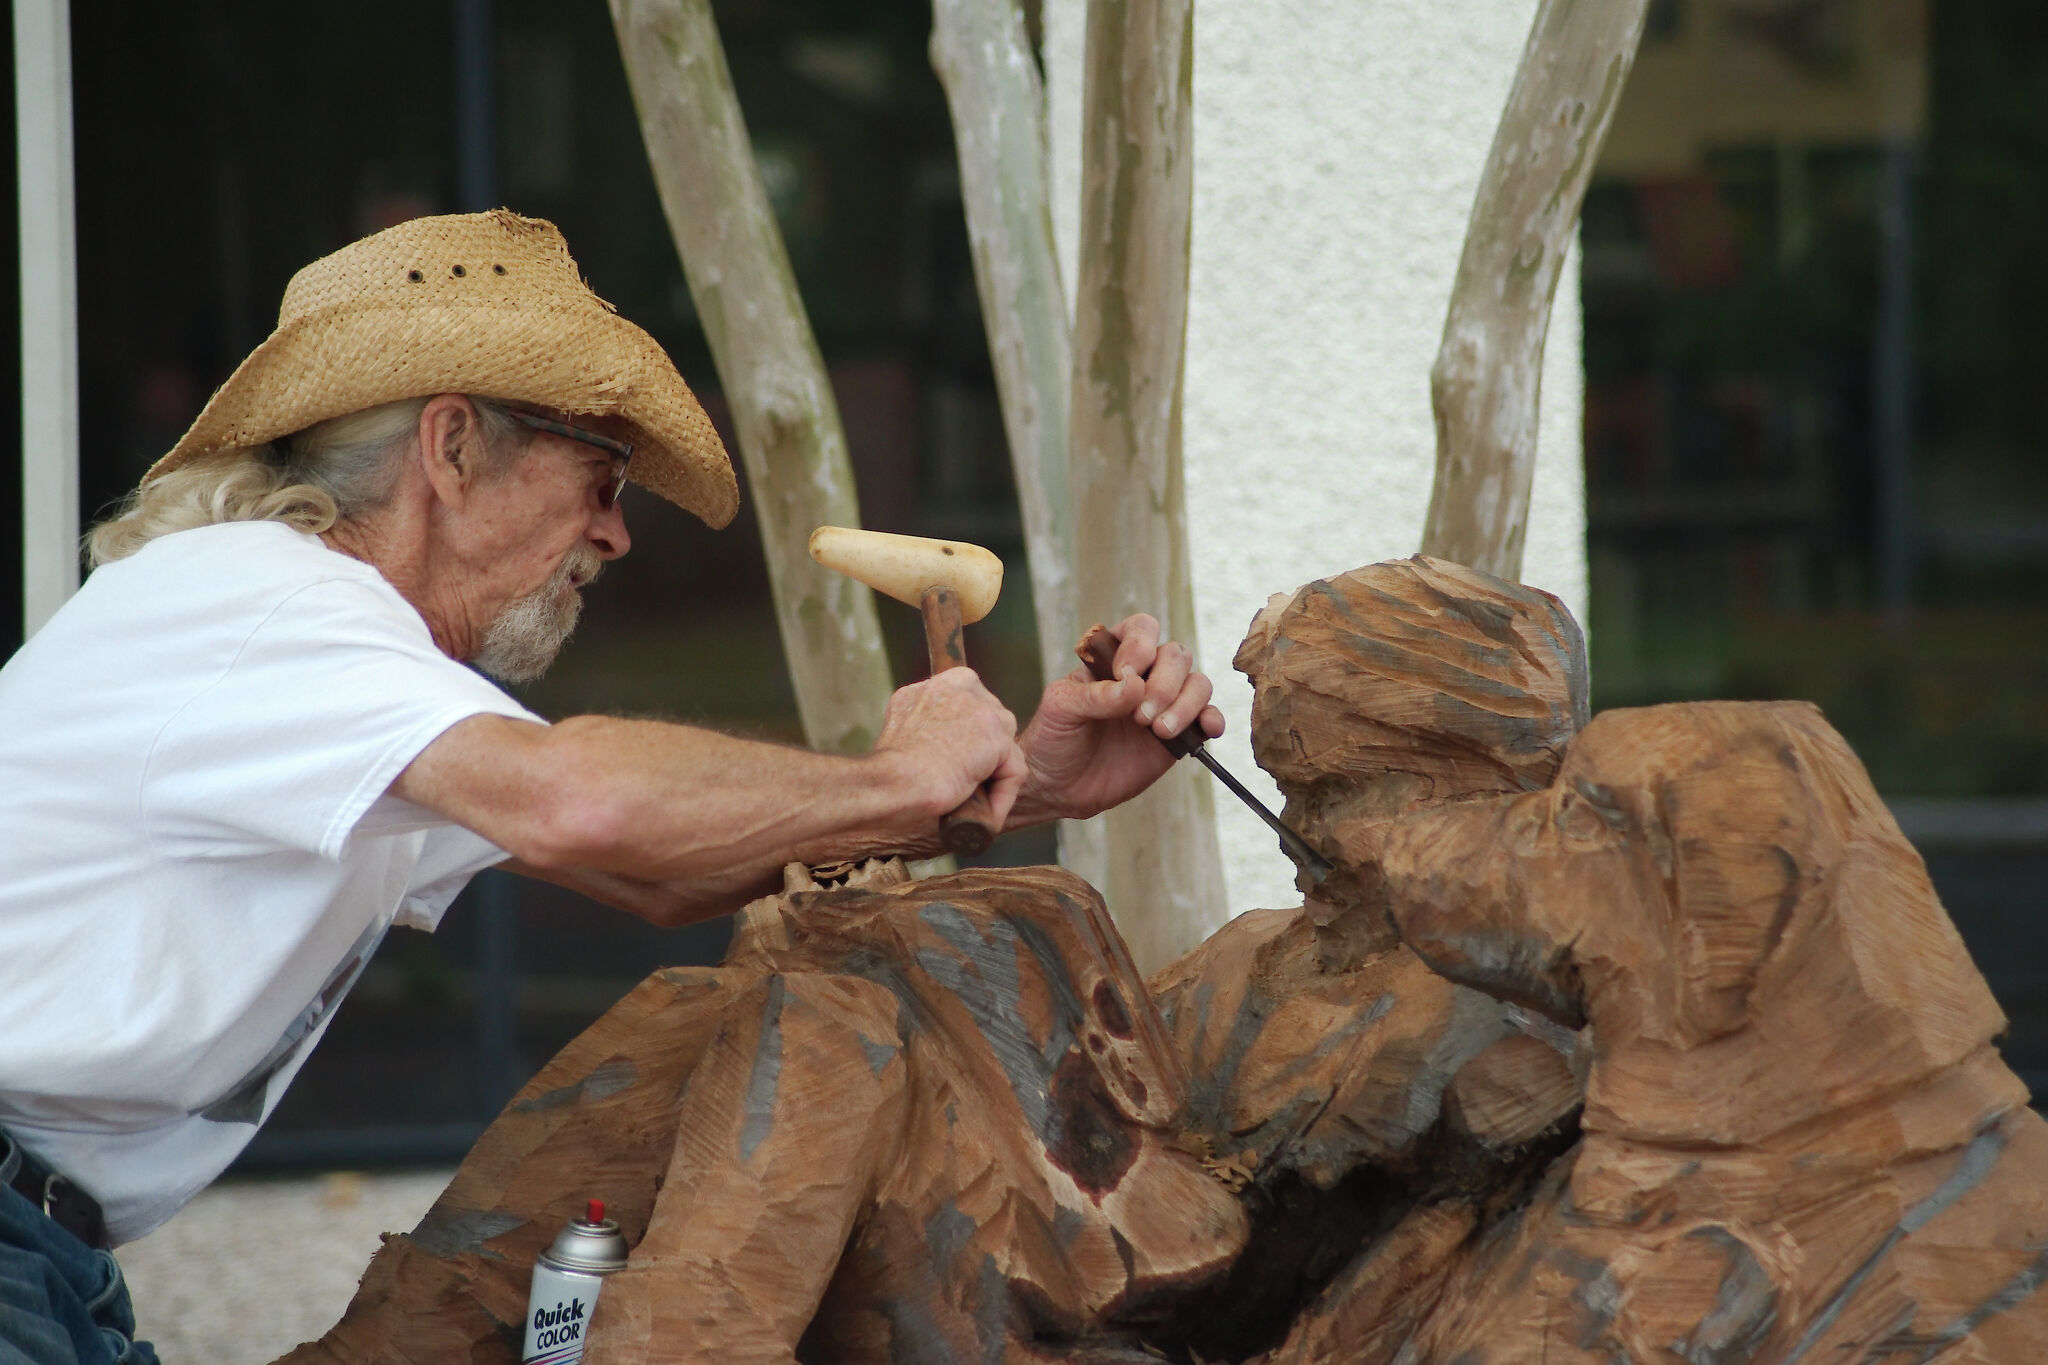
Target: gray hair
[{"x": 337, "y": 470}]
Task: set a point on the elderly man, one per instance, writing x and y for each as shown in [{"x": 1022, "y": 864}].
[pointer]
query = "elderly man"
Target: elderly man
[{"x": 250, "y": 744}]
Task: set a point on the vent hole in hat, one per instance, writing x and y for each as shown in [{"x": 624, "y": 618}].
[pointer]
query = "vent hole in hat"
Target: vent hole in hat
[
  {"x": 459, "y": 272},
  {"x": 497, "y": 270},
  {"x": 414, "y": 276}
]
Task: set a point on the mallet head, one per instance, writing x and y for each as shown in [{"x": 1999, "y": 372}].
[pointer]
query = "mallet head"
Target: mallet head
[{"x": 907, "y": 567}]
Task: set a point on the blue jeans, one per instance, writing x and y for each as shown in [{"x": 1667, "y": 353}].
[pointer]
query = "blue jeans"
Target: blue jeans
[{"x": 61, "y": 1302}]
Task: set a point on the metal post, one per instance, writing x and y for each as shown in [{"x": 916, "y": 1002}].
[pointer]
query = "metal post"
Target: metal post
[
  {"x": 1892, "y": 419},
  {"x": 49, "y": 308},
  {"x": 496, "y": 894},
  {"x": 476, "y": 155}
]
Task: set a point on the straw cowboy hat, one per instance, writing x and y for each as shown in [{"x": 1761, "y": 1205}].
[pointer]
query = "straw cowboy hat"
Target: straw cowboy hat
[{"x": 480, "y": 303}]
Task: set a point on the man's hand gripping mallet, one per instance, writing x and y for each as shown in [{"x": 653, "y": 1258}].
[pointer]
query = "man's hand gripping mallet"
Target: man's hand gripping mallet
[{"x": 952, "y": 584}]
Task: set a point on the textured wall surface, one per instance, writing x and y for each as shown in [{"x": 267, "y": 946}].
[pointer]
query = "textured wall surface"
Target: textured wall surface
[{"x": 1337, "y": 150}]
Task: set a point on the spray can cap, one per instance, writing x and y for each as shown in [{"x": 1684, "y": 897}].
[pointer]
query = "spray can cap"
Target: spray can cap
[{"x": 592, "y": 1244}]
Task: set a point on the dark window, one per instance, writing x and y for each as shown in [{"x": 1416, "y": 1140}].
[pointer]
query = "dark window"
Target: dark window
[{"x": 1817, "y": 388}]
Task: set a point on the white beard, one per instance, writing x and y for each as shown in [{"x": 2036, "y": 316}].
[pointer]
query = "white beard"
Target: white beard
[{"x": 526, "y": 636}]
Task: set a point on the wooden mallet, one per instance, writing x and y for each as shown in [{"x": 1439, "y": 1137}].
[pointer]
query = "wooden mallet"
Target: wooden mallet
[{"x": 952, "y": 584}]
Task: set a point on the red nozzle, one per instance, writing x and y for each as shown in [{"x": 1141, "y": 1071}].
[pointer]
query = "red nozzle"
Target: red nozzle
[{"x": 595, "y": 1212}]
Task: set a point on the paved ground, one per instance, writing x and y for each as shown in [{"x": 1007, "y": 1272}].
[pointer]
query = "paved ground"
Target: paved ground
[{"x": 252, "y": 1268}]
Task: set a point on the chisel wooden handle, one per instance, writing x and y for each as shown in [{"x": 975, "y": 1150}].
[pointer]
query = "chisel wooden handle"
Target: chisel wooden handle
[
  {"x": 1097, "y": 651},
  {"x": 970, "y": 826}
]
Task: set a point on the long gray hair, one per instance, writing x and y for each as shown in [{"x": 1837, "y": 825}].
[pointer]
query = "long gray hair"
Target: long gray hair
[{"x": 336, "y": 470}]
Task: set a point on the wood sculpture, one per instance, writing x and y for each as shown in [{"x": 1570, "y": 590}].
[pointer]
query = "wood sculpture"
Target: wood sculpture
[
  {"x": 945, "y": 1120},
  {"x": 1351, "y": 1088},
  {"x": 1798, "y": 1141},
  {"x": 922, "y": 1120}
]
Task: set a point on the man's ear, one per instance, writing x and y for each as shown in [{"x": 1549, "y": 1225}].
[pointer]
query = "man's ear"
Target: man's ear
[{"x": 450, "y": 447}]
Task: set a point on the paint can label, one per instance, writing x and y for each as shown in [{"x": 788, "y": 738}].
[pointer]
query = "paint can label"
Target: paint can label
[
  {"x": 566, "y": 1279},
  {"x": 557, "y": 1315}
]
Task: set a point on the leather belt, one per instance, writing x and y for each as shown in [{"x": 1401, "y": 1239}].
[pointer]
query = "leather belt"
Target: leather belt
[{"x": 69, "y": 1207}]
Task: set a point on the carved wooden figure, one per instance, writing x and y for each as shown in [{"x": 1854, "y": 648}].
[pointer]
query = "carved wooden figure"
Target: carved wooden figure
[
  {"x": 1640, "y": 1040},
  {"x": 599, "y": 1120},
  {"x": 1798, "y": 1143},
  {"x": 926, "y": 1120}
]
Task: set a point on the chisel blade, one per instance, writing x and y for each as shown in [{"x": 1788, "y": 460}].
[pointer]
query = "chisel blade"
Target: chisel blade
[{"x": 1317, "y": 866}]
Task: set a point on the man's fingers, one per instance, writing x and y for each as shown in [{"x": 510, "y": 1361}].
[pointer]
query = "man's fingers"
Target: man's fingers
[
  {"x": 1138, "y": 644},
  {"x": 1212, "y": 722},
  {"x": 1187, "y": 705},
  {"x": 962, "y": 680},
  {"x": 1108, "y": 699},
  {"x": 1167, "y": 681},
  {"x": 1005, "y": 783},
  {"x": 962, "y": 734}
]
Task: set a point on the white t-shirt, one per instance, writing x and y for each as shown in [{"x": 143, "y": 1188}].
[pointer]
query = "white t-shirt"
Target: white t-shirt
[{"x": 197, "y": 853}]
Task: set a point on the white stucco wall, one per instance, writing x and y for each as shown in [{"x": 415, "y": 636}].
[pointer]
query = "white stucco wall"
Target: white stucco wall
[{"x": 1337, "y": 150}]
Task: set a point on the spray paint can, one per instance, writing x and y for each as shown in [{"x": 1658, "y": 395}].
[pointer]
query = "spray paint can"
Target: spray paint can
[{"x": 566, "y": 1279}]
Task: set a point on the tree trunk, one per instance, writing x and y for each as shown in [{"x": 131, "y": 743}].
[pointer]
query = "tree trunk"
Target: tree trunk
[
  {"x": 782, "y": 405},
  {"x": 1486, "y": 385},
  {"x": 1164, "y": 877},
  {"x": 983, "y": 56},
  {"x": 982, "y": 52}
]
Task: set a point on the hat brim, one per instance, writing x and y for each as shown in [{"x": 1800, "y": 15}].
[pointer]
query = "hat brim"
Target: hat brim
[{"x": 566, "y": 355}]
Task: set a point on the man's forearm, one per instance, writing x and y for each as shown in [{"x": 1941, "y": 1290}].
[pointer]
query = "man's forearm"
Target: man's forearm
[
  {"x": 669, "y": 904},
  {"x": 722, "y": 890},
  {"x": 660, "y": 803}
]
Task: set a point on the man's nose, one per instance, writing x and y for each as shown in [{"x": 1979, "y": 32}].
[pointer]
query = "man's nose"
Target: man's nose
[{"x": 607, "y": 533}]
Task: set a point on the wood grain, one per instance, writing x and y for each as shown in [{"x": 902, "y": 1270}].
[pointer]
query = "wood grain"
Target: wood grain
[{"x": 1799, "y": 1143}]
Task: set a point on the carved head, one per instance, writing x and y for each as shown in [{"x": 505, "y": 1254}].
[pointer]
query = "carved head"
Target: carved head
[{"x": 1400, "y": 685}]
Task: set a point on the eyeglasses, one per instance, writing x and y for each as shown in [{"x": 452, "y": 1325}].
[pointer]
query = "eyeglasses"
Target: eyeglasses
[{"x": 622, "y": 451}]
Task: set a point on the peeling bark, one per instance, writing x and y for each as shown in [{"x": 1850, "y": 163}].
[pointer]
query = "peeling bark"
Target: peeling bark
[
  {"x": 1486, "y": 385},
  {"x": 1164, "y": 876},
  {"x": 983, "y": 56},
  {"x": 785, "y": 416}
]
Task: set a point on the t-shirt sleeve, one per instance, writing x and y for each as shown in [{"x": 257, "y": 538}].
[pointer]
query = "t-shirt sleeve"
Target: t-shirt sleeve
[
  {"x": 325, "y": 703},
  {"x": 450, "y": 857}
]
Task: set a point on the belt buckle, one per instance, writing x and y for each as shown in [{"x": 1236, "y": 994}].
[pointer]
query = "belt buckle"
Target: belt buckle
[{"x": 73, "y": 1210}]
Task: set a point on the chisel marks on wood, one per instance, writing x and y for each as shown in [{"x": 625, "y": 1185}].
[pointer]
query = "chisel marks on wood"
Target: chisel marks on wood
[
  {"x": 1977, "y": 1162},
  {"x": 1917, "y": 1349},
  {"x": 767, "y": 1073},
  {"x": 606, "y": 1081}
]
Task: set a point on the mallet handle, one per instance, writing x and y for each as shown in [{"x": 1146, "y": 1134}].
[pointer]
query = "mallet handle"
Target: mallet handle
[{"x": 970, "y": 826}]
